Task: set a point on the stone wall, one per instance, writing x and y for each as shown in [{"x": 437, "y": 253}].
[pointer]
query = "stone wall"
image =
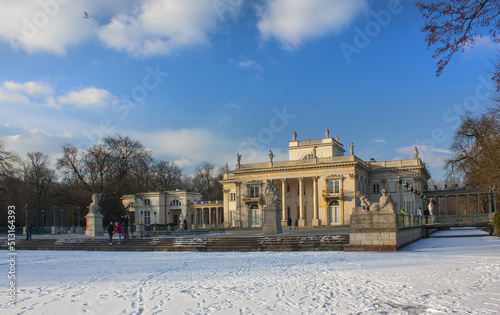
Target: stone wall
[{"x": 374, "y": 231}]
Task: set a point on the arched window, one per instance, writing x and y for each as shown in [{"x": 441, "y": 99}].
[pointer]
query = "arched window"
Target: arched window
[
  {"x": 334, "y": 213},
  {"x": 308, "y": 157},
  {"x": 254, "y": 216},
  {"x": 175, "y": 203}
]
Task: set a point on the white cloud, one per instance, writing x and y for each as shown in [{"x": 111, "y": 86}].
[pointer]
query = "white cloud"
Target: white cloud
[
  {"x": 30, "y": 88},
  {"x": 379, "y": 140},
  {"x": 160, "y": 26},
  {"x": 87, "y": 97},
  {"x": 37, "y": 93},
  {"x": 141, "y": 28},
  {"x": 294, "y": 21},
  {"x": 249, "y": 64}
]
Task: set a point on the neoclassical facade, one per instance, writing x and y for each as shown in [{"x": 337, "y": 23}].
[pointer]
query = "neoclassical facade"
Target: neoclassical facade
[
  {"x": 172, "y": 207},
  {"x": 318, "y": 184}
]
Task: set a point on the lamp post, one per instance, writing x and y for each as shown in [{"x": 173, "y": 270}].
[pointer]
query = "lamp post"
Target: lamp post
[
  {"x": 405, "y": 186},
  {"x": 26, "y": 208},
  {"x": 79, "y": 210},
  {"x": 494, "y": 199},
  {"x": 54, "y": 227},
  {"x": 62, "y": 218},
  {"x": 155, "y": 222},
  {"x": 399, "y": 181},
  {"x": 43, "y": 218}
]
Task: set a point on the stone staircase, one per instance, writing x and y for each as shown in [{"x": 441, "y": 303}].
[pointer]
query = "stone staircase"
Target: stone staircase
[{"x": 196, "y": 243}]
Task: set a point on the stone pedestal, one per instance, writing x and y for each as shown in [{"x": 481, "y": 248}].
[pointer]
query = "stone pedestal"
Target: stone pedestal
[
  {"x": 272, "y": 220},
  {"x": 94, "y": 225},
  {"x": 284, "y": 223},
  {"x": 54, "y": 230},
  {"x": 315, "y": 222},
  {"x": 139, "y": 228},
  {"x": 372, "y": 231},
  {"x": 302, "y": 222}
]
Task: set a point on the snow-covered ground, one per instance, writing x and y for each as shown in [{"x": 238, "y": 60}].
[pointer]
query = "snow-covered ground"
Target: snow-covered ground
[{"x": 432, "y": 276}]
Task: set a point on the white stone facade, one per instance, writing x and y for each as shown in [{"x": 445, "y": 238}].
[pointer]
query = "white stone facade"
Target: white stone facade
[{"x": 318, "y": 185}]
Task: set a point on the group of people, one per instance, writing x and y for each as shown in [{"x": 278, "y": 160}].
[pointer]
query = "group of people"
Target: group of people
[
  {"x": 296, "y": 224},
  {"x": 119, "y": 229},
  {"x": 426, "y": 213}
]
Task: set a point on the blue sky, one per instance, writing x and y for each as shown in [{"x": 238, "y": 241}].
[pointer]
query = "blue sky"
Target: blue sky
[{"x": 203, "y": 80}]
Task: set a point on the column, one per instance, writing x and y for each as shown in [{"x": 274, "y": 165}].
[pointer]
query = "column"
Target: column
[
  {"x": 478, "y": 204},
  {"x": 467, "y": 202},
  {"x": 238, "y": 223},
  {"x": 283, "y": 203},
  {"x": 446, "y": 204},
  {"x": 315, "y": 221},
  {"x": 302, "y": 220}
]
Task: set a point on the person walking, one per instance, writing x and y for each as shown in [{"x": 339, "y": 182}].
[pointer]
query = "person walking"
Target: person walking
[
  {"x": 296, "y": 224},
  {"x": 125, "y": 221},
  {"x": 119, "y": 231},
  {"x": 185, "y": 223},
  {"x": 289, "y": 223},
  {"x": 427, "y": 213},
  {"x": 111, "y": 228},
  {"x": 29, "y": 230}
]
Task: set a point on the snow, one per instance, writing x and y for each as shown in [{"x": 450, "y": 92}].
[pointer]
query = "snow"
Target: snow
[{"x": 432, "y": 276}]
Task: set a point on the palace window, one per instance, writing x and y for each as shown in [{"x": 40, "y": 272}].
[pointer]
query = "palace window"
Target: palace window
[
  {"x": 147, "y": 201},
  {"x": 147, "y": 217},
  {"x": 175, "y": 203},
  {"x": 308, "y": 157},
  {"x": 334, "y": 186},
  {"x": 392, "y": 187},
  {"x": 253, "y": 191},
  {"x": 376, "y": 188},
  {"x": 232, "y": 197}
]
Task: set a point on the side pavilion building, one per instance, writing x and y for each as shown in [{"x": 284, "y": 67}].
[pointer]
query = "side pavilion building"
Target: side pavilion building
[{"x": 318, "y": 184}]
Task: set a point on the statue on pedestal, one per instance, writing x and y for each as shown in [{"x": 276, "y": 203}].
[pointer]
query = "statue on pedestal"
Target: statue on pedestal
[
  {"x": 94, "y": 218},
  {"x": 94, "y": 206},
  {"x": 385, "y": 204},
  {"x": 294, "y": 138},
  {"x": 272, "y": 211}
]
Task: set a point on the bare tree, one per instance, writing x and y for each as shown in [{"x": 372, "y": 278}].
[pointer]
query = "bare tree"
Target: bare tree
[
  {"x": 8, "y": 162},
  {"x": 206, "y": 180},
  {"x": 167, "y": 175},
  {"x": 454, "y": 25},
  {"x": 39, "y": 178},
  {"x": 476, "y": 150}
]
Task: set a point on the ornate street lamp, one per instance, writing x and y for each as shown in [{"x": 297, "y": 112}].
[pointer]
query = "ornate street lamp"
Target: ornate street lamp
[
  {"x": 79, "y": 210},
  {"x": 43, "y": 218},
  {"x": 62, "y": 218},
  {"x": 54, "y": 210}
]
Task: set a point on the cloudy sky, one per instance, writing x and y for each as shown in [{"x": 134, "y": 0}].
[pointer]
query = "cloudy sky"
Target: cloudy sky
[{"x": 203, "y": 80}]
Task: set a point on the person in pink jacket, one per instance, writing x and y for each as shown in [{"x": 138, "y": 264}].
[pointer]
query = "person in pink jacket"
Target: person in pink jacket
[{"x": 118, "y": 230}]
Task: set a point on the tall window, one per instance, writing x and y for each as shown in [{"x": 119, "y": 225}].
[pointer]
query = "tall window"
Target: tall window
[
  {"x": 334, "y": 212},
  {"x": 376, "y": 188},
  {"x": 147, "y": 201},
  {"x": 253, "y": 191},
  {"x": 254, "y": 216},
  {"x": 147, "y": 217},
  {"x": 334, "y": 186},
  {"x": 232, "y": 197}
]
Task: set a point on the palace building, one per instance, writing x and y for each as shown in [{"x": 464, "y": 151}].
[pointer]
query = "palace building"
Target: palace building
[{"x": 318, "y": 184}]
